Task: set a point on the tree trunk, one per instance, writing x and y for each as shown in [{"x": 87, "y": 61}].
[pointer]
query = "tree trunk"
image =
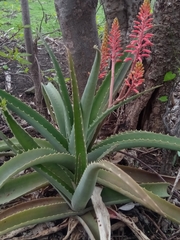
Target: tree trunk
[{"x": 78, "y": 25}]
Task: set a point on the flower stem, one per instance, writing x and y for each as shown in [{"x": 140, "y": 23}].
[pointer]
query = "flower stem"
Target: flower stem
[{"x": 111, "y": 90}]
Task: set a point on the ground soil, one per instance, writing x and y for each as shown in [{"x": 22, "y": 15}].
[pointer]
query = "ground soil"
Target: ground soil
[{"x": 150, "y": 223}]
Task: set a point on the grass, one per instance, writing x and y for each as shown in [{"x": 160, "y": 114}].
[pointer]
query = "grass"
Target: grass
[
  {"x": 11, "y": 19},
  {"x": 40, "y": 11}
]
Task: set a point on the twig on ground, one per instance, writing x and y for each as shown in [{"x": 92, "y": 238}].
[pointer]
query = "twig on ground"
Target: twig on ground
[
  {"x": 158, "y": 228},
  {"x": 129, "y": 222},
  {"x": 139, "y": 160},
  {"x": 174, "y": 235},
  {"x": 174, "y": 185}
]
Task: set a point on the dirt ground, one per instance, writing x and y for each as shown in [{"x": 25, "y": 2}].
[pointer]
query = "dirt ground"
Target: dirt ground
[{"x": 15, "y": 81}]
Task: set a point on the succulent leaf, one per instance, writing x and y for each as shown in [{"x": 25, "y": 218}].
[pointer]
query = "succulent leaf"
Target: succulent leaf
[
  {"x": 34, "y": 212},
  {"x": 62, "y": 118},
  {"x": 89, "y": 91},
  {"x": 21, "y": 185},
  {"x": 89, "y": 223},
  {"x": 134, "y": 139},
  {"x": 62, "y": 84},
  {"x": 100, "y": 102},
  {"x": 31, "y": 159},
  {"x": 26, "y": 141},
  {"x": 79, "y": 137},
  {"x": 47, "y": 130}
]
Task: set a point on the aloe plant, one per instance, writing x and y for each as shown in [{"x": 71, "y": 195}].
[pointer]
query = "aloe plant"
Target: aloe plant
[{"x": 68, "y": 158}]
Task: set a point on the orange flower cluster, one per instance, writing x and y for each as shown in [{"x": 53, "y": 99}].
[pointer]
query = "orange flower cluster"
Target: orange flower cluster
[
  {"x": 135, "y": 77},
  {"x": 111, "y": 48},
  {"x": 104, "y": 54}
]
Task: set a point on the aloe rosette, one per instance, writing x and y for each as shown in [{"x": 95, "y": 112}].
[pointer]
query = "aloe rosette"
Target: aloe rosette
[{"x": 68, "y": 158}]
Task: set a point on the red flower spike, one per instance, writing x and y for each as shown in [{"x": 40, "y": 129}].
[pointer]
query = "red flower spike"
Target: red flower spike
[
  {"x": 114, "y": 45},
  {"x": 115, "y": 52},
  {"x": 139, "y": 47},
  {"x": 111, "y": 50},
  {"x": 135, "y": 77},
  {"x": 140, "y": 38},
  {"x": 104, "y": 54}
]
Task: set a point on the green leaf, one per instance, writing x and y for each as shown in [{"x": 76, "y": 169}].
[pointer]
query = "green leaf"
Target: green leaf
[
  {"x": 84, "y": 190},
  {"x": 5, "y": 67},
  {"x": 93, "y": 127},
  {"x": 132, "y": 139},
  {"x": 8, "y": 144},
  {"x": 169, "y": 76},
  {"x": 89, "y": 223},
  {"x": 3, "y": 104},
  {"x": 80, "y": 146},
  {"x": 89, "y": 91},
  {"x": 101, "y": 99},
  {"x": 26, "y": 141},
  {"x": 59, "y": 177},
  {"x": 152, "y": 5},
  {"x": 5, "y": 146},
  {"x": 37, "y": 121},
  {"x": 168, "y": 210},
  {"x": 49, "y": 106},
  {"x": 120, "y": 182},
  {"x": 3, "y": 54},
  {"x": 124, "y": 184},
  {"x": 122, "y": 72},
  {"x": 34, "y": 212},
  {"x": 111, "y": 196},
  {"x": 62, "y": 84},
  {"x": 15, "y": 187},
  {"x": 62, "y": 117},
  {"x": 163, "y": 98},
  {"x": 31, "y": 159}
]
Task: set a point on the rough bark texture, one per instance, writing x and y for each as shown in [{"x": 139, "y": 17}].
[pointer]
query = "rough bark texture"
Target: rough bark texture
[
  {"x": 125, "y": 11},
  {"x": 78, "y": 26}
]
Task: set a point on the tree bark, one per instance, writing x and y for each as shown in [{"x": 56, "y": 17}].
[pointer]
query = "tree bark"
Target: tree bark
[{"x": 78, "y": 25}]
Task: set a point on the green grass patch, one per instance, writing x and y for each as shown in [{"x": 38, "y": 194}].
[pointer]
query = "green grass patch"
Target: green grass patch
[
  {"x": 100, "y": 20},
  {"x": 43, "y": 17},
  {"x": 40, "y": 11}
]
